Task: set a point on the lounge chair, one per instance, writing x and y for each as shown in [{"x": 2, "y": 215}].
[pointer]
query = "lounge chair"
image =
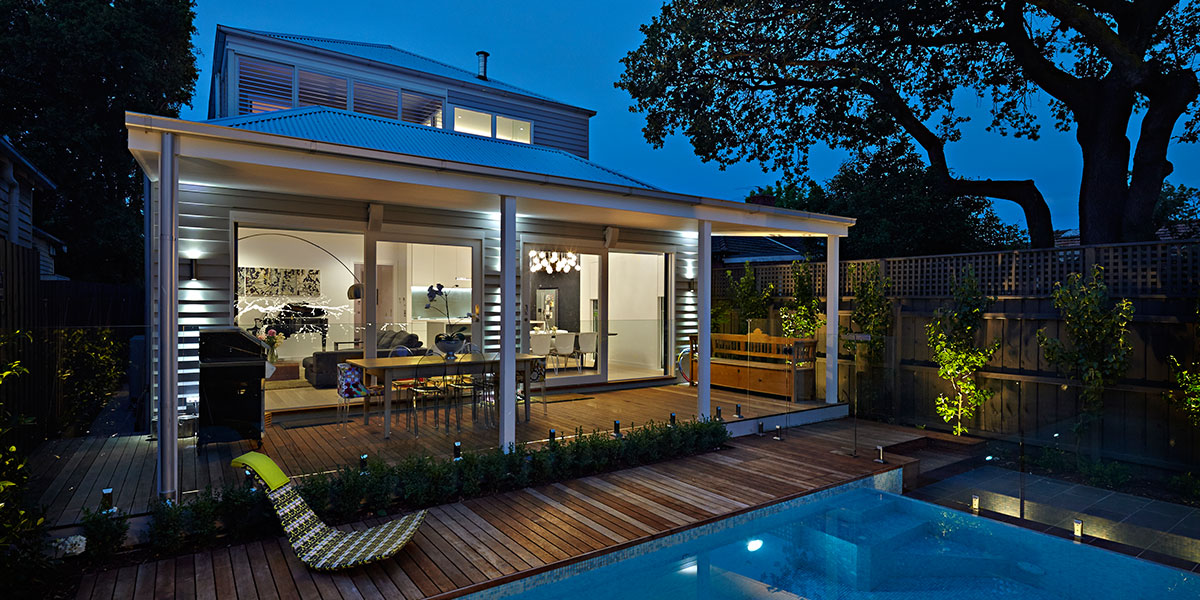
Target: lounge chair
[{"x": 316, "y": 544}]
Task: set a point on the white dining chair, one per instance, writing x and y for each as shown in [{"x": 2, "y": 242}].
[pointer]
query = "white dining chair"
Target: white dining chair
[
  {"x": 540, "y": 343},
  {"x": 587, "y": 345},
  {"x": 564, "y": 346}
]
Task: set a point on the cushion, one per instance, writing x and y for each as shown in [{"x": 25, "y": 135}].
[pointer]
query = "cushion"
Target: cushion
[{"x": 386, "y": 339}]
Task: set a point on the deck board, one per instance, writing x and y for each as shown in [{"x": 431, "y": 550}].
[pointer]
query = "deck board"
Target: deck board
[
  {"x": 68, "y": 474},
  {"x": 477, "y": 541}
]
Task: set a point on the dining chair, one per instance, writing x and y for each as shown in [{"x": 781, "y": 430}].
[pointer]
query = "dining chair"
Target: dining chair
[
  {"x": 351, "y": 386},
  {"x": 564, "y": 346},
  {"x": 587, "y": 345}
]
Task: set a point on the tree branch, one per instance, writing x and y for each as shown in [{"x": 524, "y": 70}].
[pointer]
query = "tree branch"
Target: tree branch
[
  {"x": 1067, "y": 88},
  {"x": 1124, "y": 58}
]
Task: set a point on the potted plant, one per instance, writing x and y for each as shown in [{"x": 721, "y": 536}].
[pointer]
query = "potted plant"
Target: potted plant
[
  {"x": 800, "y": 319},
  {"x": 449, "y": 343}
]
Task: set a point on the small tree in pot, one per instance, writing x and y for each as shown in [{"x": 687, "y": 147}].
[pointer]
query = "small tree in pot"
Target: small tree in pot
[{"x": 801, "y": 318}]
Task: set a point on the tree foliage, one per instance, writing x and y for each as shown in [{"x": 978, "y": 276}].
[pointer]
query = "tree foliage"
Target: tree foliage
[
  {"x": 801, "y": 315},
  {"x": 872, "y": 312},
  {"x": 746, "y": 299},
  {"x": 1178, "y": 209},
  {"x": 900, "y": 209},
  {"x": 766, "y": 81},
  {"x": 951, "y": 336},
  {"x": 69, "y": 69},
  {"x": 1095, "y": 348}
]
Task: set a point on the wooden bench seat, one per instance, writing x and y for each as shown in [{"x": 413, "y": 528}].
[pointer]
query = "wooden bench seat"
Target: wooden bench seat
[{"x": 758, "y": 362}]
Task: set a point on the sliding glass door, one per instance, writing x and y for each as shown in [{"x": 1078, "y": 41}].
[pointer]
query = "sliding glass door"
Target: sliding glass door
[{"x": 637, "y": 315}]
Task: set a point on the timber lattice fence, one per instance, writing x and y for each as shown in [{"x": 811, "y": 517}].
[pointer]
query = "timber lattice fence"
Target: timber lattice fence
[
  {"x": 1170, "y": 269},
  {"x": 1031, "y": 398}
]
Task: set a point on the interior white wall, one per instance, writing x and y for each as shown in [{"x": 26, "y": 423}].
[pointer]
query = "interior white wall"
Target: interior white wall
[
  {"x": 288, "y": 253},
  {"x": 589, "y": 288},
  {"x": 414, "y": 265},
  {"x": 635, "y": 281}
]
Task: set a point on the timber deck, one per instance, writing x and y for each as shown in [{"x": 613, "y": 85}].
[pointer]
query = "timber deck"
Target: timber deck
[
  {"x": 480, "y": 542},
  {"x": 68, "y": 474}
]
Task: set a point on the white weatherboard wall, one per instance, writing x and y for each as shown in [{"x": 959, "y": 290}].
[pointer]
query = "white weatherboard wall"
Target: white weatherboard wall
[{"x": 635, "y": 283}]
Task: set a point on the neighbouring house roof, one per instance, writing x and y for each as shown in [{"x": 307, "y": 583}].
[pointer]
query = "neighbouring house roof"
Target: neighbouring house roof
[
  {"x": 335, "y": 126},
  {"x": 393, "y": 56},
  {"x": 9, "y": 150},
  {"x": 1180, "y": 230},
  {"x": 739, "y": 249}
]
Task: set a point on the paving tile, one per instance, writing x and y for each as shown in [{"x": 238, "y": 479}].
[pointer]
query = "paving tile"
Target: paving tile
[
  {"x": 1152, "y": 520},
  {"x": 1122, "y": 503},
  {"x": 1169, "y": 508}
]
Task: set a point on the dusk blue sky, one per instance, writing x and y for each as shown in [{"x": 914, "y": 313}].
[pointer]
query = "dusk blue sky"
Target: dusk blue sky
[{"x": 570, "y": 52}]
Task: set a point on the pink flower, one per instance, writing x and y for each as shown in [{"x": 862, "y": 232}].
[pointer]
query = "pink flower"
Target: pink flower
[{"x": 270, "y": 332}]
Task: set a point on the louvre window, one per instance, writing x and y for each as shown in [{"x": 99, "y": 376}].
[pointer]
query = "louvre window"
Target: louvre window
[
  {"x": 513, "y": 129},
  {"x": 317, "y": 89},
  {"x": 421, "y": 109},
  {"x": 471, "y": 121},
  {"x": 263, "y": 86},
  {"x": 375, "y": 100}
]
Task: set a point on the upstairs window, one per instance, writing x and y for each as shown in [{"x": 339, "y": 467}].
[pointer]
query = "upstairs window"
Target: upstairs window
[
  {"x": 375, "y": 100},
  {"x": 513, "y": 129},
  {"x": 317, "y": 89},
  {"x": 421, "y": 109},
  {"x": 473, "y": 122},
  {"x": 263, "y": 86}
]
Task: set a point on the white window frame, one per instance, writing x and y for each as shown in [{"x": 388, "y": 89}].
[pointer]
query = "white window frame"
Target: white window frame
[{"x": 494, "y": 129}]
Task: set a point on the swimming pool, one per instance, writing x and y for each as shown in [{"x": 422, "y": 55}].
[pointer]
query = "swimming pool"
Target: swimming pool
[{"x": 859, "y": 544}]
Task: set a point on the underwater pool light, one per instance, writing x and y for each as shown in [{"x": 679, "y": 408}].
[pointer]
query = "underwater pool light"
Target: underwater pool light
[{"x": 753, "y": 545}]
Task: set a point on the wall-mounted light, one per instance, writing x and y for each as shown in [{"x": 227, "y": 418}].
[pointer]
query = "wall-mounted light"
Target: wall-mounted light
[
  {"x": 192, "y": 263},
  {"x": 1078, "y": 529},
  {"x": 975, "y": 503}
]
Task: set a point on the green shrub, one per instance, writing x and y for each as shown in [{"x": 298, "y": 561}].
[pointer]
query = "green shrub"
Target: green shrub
[
  {"x": 105, "y": 533},
  {"x": 1185, "y": 484},
  {"x": 167, "y": 533},
  {"x": 1054, "y": 460},
  {"x": 246, "y": 514},
  {"x": 872, "y": 312},
  {"x": 91, "y": 364},
  {"x": 1111, "y": 475}
]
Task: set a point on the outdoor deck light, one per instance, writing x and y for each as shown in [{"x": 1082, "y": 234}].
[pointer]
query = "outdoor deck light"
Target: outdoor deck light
[
  {"x": 880, "y": 459},
  {"x": 760, "y": 429},
  {"x": 672, "y": 419},
  {"x": 1078, "y": 530},
  {"x": 551, "y": 436},
  {"x": 975, "y": 503},
  {"x": 457, "y": 451},
  {"x": 718, "y": 413},
  {"x": 616, "y": 429},
  {"x": 106, "y": 501},
  {"x": 778, "y": 433},
  {"x": 362, "y": 463},
  {"x": 250, "y": 480},
  {"x": 737, "y": 411}
]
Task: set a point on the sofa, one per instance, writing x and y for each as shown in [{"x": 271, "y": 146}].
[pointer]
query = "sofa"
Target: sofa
[{"x": 320, "y": 369}]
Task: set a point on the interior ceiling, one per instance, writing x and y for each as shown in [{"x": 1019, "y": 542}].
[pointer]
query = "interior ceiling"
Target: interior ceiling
[{"x": 270, "y": 179}]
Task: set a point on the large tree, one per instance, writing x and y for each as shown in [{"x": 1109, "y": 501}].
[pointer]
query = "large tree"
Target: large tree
[
  {"x": 767, "y": 80},
  {"x": 69, "y": 69},
  {"x": 901, "y": 209}
]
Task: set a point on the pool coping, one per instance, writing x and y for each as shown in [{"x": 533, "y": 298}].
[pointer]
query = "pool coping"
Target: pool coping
[{"x": 491, "y": 584}]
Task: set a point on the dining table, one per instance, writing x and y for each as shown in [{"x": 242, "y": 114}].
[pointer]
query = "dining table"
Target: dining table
[{"x": 389, "y": 369}]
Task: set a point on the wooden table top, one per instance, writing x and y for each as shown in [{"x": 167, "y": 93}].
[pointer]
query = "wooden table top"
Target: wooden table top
[{"x": 399, "y": 362}]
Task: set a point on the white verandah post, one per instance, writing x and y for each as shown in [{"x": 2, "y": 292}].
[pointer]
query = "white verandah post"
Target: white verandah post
[
  {"x": 168, "y": 319},
  {"x": 704, "y": 319},
  {"x": 508, "y": 322},
  {"x": 832, "y": 294}
]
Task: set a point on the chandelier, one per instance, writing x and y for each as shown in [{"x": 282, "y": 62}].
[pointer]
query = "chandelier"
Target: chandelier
[{"x": 552, "y": 262}]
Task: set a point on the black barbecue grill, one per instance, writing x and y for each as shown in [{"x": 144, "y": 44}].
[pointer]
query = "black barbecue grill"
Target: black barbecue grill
[{"x": 232, "y": 367}]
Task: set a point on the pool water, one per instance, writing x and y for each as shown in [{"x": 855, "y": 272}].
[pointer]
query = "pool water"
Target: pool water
[{"x": 865, "y": 544}]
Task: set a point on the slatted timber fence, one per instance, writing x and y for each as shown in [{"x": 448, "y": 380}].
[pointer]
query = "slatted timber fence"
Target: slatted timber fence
[{"x": 1162, "y": 279}]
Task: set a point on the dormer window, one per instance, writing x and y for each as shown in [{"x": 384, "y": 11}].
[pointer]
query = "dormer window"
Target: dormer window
[
  {"x": 318, "y": 89},
  {"x": 480, "y": 123},
  {"x": 263, "y": 86},
  {"x": 513, "y": 129},
  {"x": 473, "y": 122},
  {"x": 421, "y": 109}
]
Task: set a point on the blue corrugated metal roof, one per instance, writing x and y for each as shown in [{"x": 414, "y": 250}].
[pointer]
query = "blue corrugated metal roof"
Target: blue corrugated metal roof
[
  {"x": 335, "y": 126},
  {"x": 392, "y": 55}
]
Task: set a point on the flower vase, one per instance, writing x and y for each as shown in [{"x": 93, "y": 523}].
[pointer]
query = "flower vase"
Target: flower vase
[{"x": 272, "y": 355}]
